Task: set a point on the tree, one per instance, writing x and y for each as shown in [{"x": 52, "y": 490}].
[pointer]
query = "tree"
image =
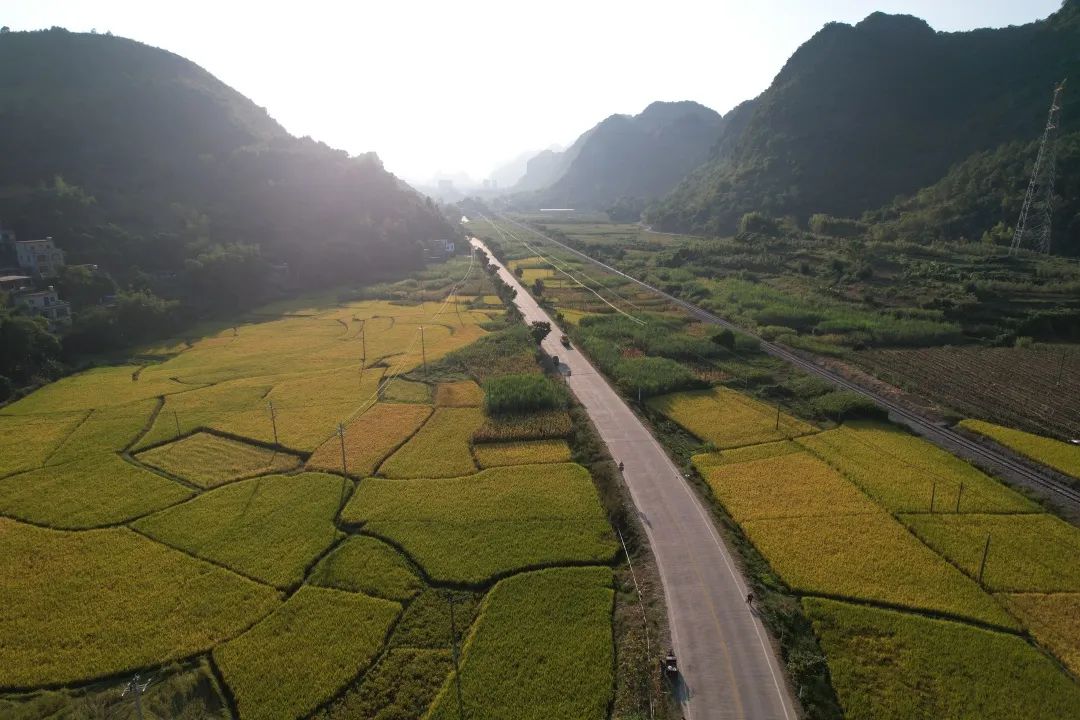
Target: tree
[
  {"x": 27, "y": 348},
  {"x": 83, "y": 287},
  {"x": 538, "y": 286},
  {"x": 539, "y": 330},
  {"x": 725, "y": 338},
  {"x": 519, "y": 272}
]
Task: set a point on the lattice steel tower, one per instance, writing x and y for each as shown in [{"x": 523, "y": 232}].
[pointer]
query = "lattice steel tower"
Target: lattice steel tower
[{"x": 1033, "y": 227}]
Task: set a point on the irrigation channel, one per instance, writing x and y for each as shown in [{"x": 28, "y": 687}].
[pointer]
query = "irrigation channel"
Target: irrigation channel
[
  {"x": 997, "y": 461},
  {"x": 728, "y": 668}
]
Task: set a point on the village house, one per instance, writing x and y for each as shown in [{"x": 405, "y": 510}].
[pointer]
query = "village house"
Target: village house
[
  {"x": 10, "y": 283},
  {"x": 40, "y": 257},
  {"x": 47, "y": 304}
]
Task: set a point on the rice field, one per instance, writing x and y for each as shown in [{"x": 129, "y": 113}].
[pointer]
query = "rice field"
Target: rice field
[
  {"x": 522, "y": 453},
  {"x": 103, "y": 489},
  {"x": 1054, "y": 620},
  {"x": 536, "y": 426},
  {"x": 209, "y": 460},
  {"x": 906, "y": 474},
  {"x": 792, "y": 485},
  {"x": 82, "y": 605},
  {"x": 269, "y": 528},
  {"x": 364, "y": 564},
  {"x": 1027, "y": 553},
  {"x": 472, "y": 529},
  {"x": 870, "y": 558},
  {"x": 370, "y": 438},
  {"x": 307, "y": 650},
  {"x": 542, "y": 648},
  {"x": 888, "y": 665},
  {"x": 465, "y": 393},
  {"x": 200, "y": 511},
  {"x": 441, "y": 448},
  {"x": 1061, "y": 456},
  {"x": 728, "y": 419}
]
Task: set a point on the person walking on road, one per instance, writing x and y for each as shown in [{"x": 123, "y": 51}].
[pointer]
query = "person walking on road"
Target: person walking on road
[{"x": 750, "y": 600}]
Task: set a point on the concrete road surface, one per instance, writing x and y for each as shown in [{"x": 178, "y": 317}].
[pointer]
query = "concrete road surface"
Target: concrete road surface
[{"x": 729, "y": 670}]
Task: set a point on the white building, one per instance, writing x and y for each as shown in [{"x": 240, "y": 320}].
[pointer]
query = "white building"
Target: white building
[
  {"x": 10, "y": 283},
  {"x": 47, "y": 304},
  {"x": 40, "y": 257}
]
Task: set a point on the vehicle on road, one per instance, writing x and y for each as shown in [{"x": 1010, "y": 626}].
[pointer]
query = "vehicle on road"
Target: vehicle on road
[
  {"x": 671, "y": 665},
  {"x": 565, "y": 341}
]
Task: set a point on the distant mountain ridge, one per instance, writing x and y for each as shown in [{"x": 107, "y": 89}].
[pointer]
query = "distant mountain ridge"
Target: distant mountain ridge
[
  {"x": 862, "y": 114},
  {"x": 639, "y": 156}
]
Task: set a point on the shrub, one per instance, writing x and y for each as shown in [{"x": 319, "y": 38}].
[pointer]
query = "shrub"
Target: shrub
[
  {"x": 522, "y": 393},
  {"x": 846, "y": 405}
]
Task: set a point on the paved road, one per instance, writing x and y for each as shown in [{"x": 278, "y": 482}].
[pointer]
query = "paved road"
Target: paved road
[
  {"x": 728, "y": 666},
  {"x": 1040, "y": 480}
]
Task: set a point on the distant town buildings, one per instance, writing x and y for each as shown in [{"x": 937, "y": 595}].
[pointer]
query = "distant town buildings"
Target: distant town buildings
[
  {"x": 11, "y": 283},
  {"x": 40, "y": 257},
  {"x": 45, "y": 303}
]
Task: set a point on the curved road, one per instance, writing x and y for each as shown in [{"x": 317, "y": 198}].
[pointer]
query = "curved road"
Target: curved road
[
  {"x": 1061, "y": 493},
  {"x": 728, "y": 667}
]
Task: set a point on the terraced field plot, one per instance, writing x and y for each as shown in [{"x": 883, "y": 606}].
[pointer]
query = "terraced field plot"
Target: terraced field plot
[
  {"x": 791, "y": 485},
  {"x": 873, "y": 558},
  {"x": 541, "y": 649},
  {"x": 522, "y": 453},
  {"x": 440, "y": 448},
  {"x": 726, "y": 418},
  {"x": 370, "y": 438},
  {"x": 26, "y": 442},
  {"x": 459, "y": 394},
  {"x": 1028, "y": 553},
  {"x": 905, "y": 473},
  {"x": 402, "y": 685},
  {"x": 209, "y": 460},
  {"x": 103, "y": 489},
  {"x": 302, "y": 654},
  {"x": 111, "y": 428},
  {"x": 471, "y": 529},
  {"x": 79, "y": 605},
  {"x": 269, "y": 528},
  {"x": 364, "y": 564},
  {"x": 746, "y": 454},
  {"x": 537, "y": 426},
  {"x": 1063, "y": 457},
  {"x": 97, "y": 388},
  {"x": 888, "y": 665},
  {"x": 1054, "y": 620}
]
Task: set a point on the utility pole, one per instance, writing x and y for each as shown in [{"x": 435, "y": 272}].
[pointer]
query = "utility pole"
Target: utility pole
[
  {"x": 176, "y": 419},
  {"x": 933, "y": 495},
  {"x": 1036, "y": 214},
  {"x": 273, "y": 419},
  {"x": 341, "y": 437},
  {"x": 454, "y": 650},
  {"x": 982, "y": 565},
  {"x": 777, "y": 415},
  {"x": 958, "y": 495},
  {"x": 423, "y": 350}
]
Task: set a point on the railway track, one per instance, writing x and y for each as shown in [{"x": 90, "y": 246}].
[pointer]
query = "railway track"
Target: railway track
[{"x": 939, "y": 434}]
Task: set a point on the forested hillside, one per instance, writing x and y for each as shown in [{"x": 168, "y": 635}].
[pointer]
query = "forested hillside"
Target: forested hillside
[
  {"x": 862, "y": 114},
  {"x": 138, "y": 160},
  {"x": 628, "y": 158}
]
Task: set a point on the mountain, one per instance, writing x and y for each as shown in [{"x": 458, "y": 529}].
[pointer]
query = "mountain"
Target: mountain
[
  {"x": 138, "y": 160},
  {"x": 639, "y": 156},
  {"x": 512, "y": 171},
  {"x": 549, "y": 165},
  {"x": 861, "y": 114}
]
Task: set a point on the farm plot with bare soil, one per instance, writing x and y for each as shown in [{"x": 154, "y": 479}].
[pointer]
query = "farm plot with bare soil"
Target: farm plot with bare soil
[{"x": 1036, "y": 389}]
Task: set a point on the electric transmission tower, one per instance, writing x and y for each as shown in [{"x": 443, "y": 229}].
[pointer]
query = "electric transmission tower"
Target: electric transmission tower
[{"x": 1033, "y": 226}]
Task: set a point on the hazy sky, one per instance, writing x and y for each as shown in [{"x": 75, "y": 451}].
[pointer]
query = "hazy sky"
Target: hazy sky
[{"x": 465, "y": 85}]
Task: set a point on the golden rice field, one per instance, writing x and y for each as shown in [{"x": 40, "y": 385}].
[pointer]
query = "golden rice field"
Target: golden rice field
[
  {"x": 906, "y": 474},
  {"x": 209, "y": 460},
  {"x": 471, "y": 529},
  {"x": 1054, "y": 620},
  {"x": 870, "y": 558},
  {"x": 304, "y": 652},
  {"x": 371, "y": 438},
  {"x": 888, "y": 665},
  {"x": 792, "y": 485},
  {"x": 195, "y": 506},
  {"x": 1027, "y": 553},
  {"x": 441, "y": 448},
  {"x": 81, "y": 605},
  {"x": 526, "y": 452},
  {"x": 728, "y": 419},
  {"x": 1061, "y": 456}
]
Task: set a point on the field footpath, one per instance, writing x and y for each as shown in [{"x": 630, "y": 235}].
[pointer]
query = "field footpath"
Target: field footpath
[{"x": 729, "y": 668}]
